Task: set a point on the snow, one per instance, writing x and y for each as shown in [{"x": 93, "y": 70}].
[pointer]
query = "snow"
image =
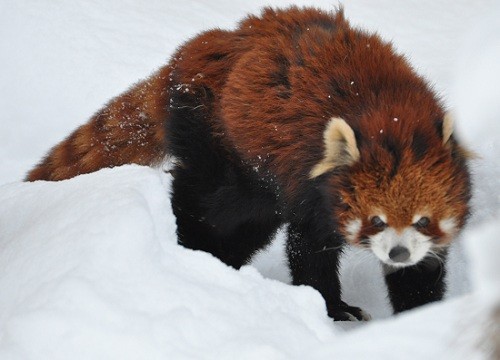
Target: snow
[
  {"x": 90, "y": 268},
  {"x": 108, "y": 277}
]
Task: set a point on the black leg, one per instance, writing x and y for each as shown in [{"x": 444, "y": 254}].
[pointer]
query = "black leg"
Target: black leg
[
  {"x": 314, "y": 260},
  {"x": 227, "y": 222},
  {"x": 416, "y": 285},
  {"x": 220, "y": 208}
]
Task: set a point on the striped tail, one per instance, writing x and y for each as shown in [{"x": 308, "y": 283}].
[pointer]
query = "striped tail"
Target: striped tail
[{"x": 128, "y": 130}]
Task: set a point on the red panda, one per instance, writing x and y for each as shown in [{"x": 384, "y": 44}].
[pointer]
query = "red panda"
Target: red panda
[{"x": 294, "y": 118}]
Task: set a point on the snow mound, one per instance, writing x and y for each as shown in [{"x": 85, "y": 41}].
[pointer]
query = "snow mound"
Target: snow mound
[
  {"x": 90, "y": 269},
  {"x": 92, "y": 264}
]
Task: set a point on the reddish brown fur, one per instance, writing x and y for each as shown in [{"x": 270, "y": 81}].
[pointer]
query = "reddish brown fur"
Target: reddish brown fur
[
  {"x": 275, "y": 87},
  {"x": 346, "y": 73},
  {"x": 129, "y": 129},
  {"x": 416, "y": 189},
  {"x": 245, "y": 114},
  {"x": 343, "y": 73}
]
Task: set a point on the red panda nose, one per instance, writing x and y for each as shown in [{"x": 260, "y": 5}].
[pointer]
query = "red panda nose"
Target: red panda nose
[{"x": 399, "y": 254}]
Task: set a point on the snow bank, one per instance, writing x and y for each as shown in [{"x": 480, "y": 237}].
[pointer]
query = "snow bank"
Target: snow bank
[
  {"x": 476, "y": 100},
  {"x": 89, "y": 269}
]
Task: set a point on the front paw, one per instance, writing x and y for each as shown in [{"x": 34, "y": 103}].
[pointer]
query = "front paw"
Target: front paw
[{"x": 344, "y": 312}]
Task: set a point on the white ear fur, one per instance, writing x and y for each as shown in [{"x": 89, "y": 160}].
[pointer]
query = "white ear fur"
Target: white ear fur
[
  {"x": 340, "y": 147},
  {"x": 448, "y": 123}
]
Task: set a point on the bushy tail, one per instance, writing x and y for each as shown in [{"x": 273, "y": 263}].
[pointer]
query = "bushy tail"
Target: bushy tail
[{"x": 128, "y": 130}]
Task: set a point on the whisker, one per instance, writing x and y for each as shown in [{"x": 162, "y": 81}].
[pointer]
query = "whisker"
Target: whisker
[
  {"x": 431, "y": 259},
  {"x": 330, "y": 248}
]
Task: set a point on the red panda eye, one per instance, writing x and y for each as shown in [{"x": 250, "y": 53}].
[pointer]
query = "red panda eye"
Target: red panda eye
[
  {"x": 377, "y": 222},
  {"x": 423, "y": 222}
]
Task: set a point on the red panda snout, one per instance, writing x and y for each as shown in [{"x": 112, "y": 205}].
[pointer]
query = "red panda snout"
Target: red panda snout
[{"x": 401, "y": 246}]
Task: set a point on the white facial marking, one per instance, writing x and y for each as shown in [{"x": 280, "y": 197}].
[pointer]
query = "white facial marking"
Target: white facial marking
[
  {"x": 352, "y": 229},
  {"x": 382, "y": 217},
  {"x": 416, "y": 217},
  {"x": 448, "y": 225},
  {"x": 417, "y": 244}
]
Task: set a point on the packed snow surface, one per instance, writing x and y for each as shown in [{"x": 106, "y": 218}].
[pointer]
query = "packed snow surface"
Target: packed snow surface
[{"x": 90, "y": 268}]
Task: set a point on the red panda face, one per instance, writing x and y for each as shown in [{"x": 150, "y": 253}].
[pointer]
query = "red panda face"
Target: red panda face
[
  {"x": 406, "y": 214},
  {"x": 402, "y": 205}
]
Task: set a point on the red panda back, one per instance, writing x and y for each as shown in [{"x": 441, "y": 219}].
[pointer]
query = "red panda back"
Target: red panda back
[
  {"x": 308, "y": 67},
  {"x": 305, "y": 68}
]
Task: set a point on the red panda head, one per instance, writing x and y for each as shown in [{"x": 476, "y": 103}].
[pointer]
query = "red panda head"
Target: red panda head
[{"x": 404, "y": 196}]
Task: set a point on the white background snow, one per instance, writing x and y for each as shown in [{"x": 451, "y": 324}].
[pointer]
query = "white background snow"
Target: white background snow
[{"x": 90, "y": 269}]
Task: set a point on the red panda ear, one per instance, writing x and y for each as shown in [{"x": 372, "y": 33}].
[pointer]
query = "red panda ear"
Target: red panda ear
[
  {"x": 447, "y": 127},
  {"x": 448, "y": 123},
  {"x": 340, "y": 147}
]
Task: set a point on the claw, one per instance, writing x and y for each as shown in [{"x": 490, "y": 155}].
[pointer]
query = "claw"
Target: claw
[{"x": 349, "y": 313}]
